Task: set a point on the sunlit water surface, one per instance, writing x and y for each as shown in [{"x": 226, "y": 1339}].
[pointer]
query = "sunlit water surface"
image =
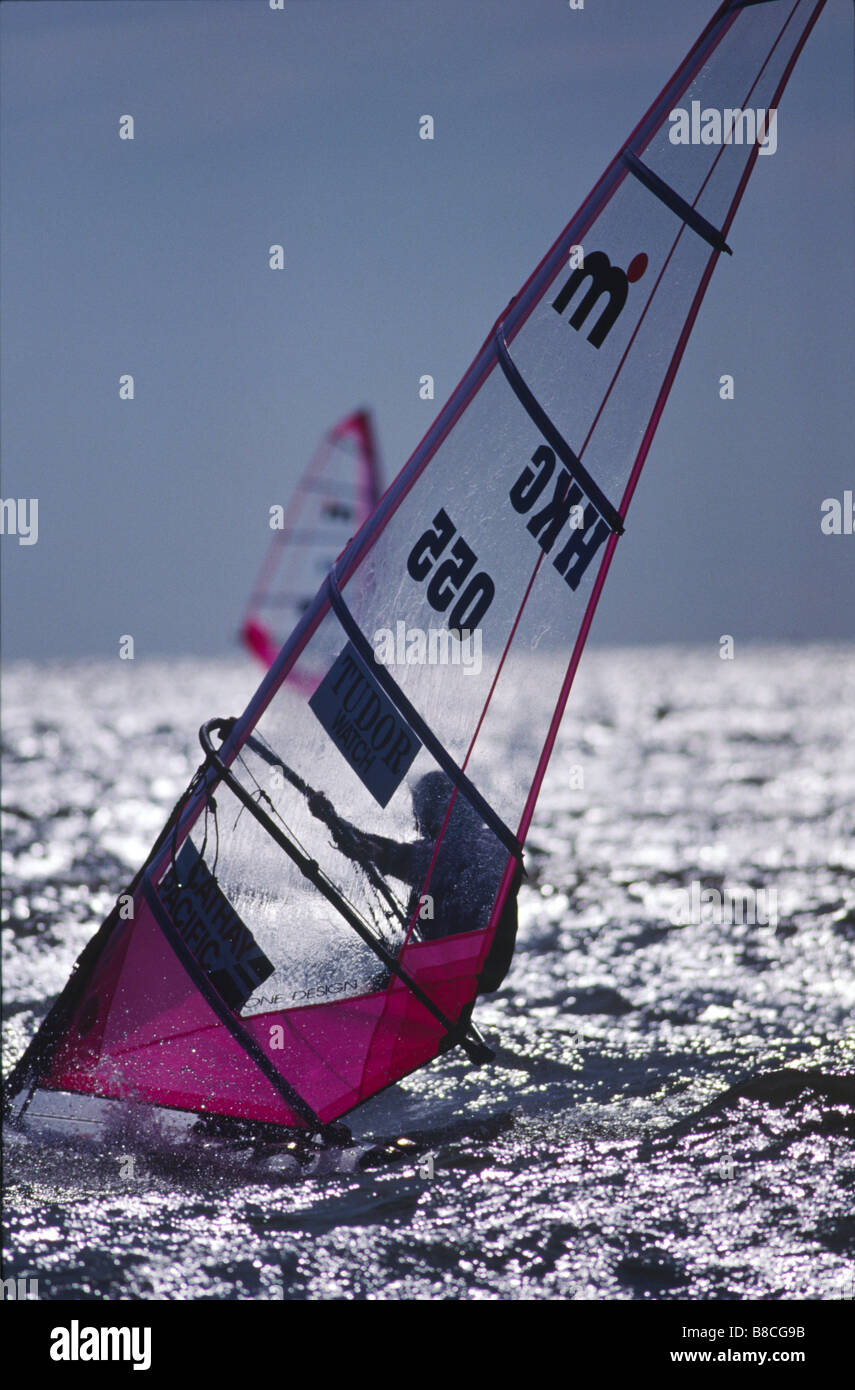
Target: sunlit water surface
[{"x": 672, "y": 1109}]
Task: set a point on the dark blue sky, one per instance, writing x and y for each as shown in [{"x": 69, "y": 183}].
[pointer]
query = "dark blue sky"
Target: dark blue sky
[{"x": 301, "y": 127}]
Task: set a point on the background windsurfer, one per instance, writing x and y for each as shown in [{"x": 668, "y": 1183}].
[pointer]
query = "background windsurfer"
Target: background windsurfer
[{"x": 464, "y": 877}]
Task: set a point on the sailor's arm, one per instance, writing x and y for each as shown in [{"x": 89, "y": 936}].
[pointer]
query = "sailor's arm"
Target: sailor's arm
[{"x": 389, "y": 856}]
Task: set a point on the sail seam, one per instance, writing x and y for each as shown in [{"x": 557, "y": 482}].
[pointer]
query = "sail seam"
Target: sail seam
[
  {"x": 538, "y": 415},
  {"x": 672, "y": 199},
  {"x": 411, "y": 714}
]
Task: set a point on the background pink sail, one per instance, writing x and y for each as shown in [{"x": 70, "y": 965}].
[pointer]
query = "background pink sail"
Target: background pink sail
[
  {"x": 338, "y": 491},
  {"x": 556, "y": 413}
]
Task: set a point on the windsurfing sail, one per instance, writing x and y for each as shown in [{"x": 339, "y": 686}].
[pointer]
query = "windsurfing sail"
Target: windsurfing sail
[
  {"x": 337, "y": 493},
  {"x": 332, "y": 891}
]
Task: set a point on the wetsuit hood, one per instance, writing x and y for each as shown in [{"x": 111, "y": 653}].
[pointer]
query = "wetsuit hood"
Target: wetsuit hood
[{"x": 431, "y": 795}]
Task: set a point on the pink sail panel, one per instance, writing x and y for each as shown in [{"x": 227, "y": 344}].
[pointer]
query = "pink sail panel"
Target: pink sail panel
[{"x": 144, "y": 1032}]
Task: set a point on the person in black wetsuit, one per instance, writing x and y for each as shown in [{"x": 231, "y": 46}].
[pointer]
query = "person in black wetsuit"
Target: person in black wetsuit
[{"x": 465, "y": 876}]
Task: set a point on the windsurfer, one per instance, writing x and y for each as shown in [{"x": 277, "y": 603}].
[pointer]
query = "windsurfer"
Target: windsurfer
[{"x": 461, "y": 877}]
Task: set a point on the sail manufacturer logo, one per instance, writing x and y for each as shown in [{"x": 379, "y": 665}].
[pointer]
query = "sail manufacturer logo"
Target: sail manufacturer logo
[
  {"x": 366, "y": 728},
  {"x": 600, "y": 278},
  {"x": 566, "y": 511}
]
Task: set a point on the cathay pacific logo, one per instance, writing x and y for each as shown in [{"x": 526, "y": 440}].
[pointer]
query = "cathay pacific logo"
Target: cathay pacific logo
[
  {"x": 599, "y": 277},
  {"x": 76, "y": 1343}
]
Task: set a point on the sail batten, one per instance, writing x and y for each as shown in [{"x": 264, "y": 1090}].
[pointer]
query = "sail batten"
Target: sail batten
[{"x": 671, "y": 198}]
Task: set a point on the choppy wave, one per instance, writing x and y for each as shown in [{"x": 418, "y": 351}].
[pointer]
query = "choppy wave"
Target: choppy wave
[{"x": 671, "y": 1110}]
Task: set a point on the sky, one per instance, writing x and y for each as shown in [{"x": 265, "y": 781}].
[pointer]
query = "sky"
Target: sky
[{"x": 300, "y": 127}]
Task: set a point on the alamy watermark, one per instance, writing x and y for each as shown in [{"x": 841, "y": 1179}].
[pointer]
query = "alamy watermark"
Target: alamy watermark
[
  {"x": 19, "y": 516},
  {"x": 838, "y": 515},
  {"x": 413, "y": 646},
  {"x": 730, "y": 126},
  {"x": 76, "y": 1343},
  {"x": 24, "y": 1287},
  {"x": 697, "y": 906}
]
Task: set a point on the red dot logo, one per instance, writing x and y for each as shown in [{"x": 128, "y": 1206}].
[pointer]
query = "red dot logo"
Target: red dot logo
[{"x": 637, "y": 267}]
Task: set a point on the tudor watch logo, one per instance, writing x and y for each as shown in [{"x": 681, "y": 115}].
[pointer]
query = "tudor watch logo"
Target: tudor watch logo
[{"x": 600, "y": 278}]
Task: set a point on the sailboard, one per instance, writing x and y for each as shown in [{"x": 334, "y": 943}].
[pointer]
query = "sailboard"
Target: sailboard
[
  {"x": 338, "y": 491},
  {"x": 295, "y": 944}
]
